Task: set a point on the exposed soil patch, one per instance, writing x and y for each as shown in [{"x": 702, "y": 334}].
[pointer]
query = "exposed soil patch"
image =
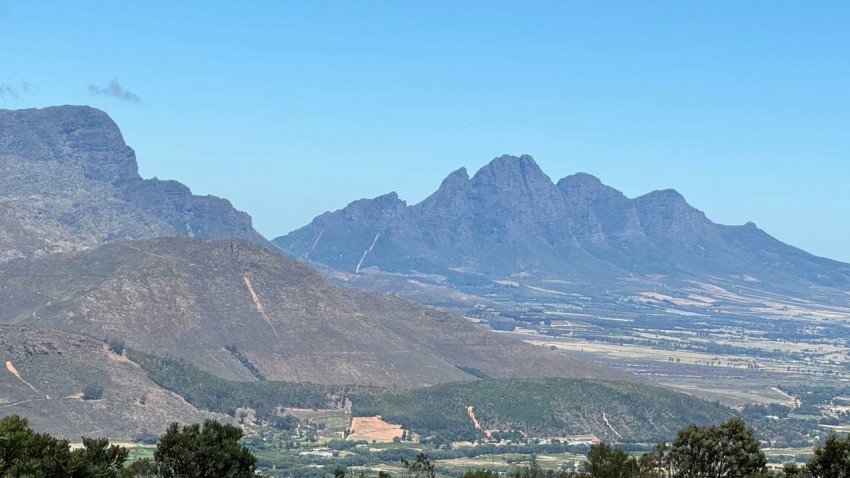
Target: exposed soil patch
[
  {"x": 605, "y": 417},
  {"x": 373, "y": 428},
  {"x": 11, "y": 368},
  {"x": 258, "y": 304}
]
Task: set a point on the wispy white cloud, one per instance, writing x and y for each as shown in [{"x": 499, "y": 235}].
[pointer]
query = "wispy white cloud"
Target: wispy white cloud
[{"x": 115, "y": 90}]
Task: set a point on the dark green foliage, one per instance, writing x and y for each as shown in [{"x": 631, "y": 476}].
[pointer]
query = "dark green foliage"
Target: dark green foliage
[
  {"x": 479, "y": 474},
  {"x": 793, "y": 470},
  {"x": 209, "y": 392},
  {"x": 115, "y": 346},
  {"x": 474, "y": 372},
  {"x": 286, "y": 422},
  {"x": 25, "y": 453},
  {"x": 420, "y": 468},
  {"x": 92, "y": 392},
  {"x": 753, "y": 411},
  {"x": 100, "y": 459},
  {"x": 246, "y": 362},
  {"x": 832, "y": 459},
  {"x": 554, "y": 407},
  {"x": 144, "y": 468},
  {"x": 606, "y": 462},
  {"x": 193, "y": 451},
  {"x": 725, "y": 451},
  {"x": 211, "y": 450}
]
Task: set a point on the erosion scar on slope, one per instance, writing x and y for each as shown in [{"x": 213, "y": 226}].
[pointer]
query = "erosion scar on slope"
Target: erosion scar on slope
[
  {"x": 366, "y": 253},
  {"x": 11, "y": 368},
  {"x": 315, "y": 243},
  {"x": 471, "y": 412},
  {"x": 258, "y": 305},
  {"x": 605, "y": 417}
]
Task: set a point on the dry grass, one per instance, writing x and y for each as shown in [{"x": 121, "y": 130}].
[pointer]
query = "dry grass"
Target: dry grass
[{"x": 373, "y": 429}]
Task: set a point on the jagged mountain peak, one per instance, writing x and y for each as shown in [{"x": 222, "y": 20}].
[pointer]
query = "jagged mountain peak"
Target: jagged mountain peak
[
  {"x": 511, "y": 171},
  {"x": 509, "y": 219},
  {"x": 457, "y": 179}
]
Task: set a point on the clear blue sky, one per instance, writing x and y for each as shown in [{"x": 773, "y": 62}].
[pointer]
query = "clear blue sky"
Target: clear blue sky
[{"x": 290, "y": 109}]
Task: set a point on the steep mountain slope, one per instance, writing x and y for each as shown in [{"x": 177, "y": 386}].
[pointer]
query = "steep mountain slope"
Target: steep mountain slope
[
  {"x": 46, "y": 371},
  {"x": 67, "y": 181},
  {"x": 511, "y": 221},
  {"x": 240, "y": 312}
]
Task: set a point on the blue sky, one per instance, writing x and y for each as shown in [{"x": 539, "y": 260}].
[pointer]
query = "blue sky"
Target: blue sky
[{"x": 290, "y": 109}]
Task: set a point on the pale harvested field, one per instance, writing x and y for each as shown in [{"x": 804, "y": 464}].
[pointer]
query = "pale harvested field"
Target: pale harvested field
[
  {"x": 689, "y": 357},
  {"x": 373, "y": 428}
]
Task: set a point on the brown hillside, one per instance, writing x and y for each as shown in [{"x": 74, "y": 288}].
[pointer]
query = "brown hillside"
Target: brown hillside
[
  {"x": 53, "y": 368},
  {"x": 195, "y": 299}
]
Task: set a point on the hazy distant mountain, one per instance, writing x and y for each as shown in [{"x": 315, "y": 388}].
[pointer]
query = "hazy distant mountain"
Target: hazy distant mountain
[
  {"x": 511, "y": 221},
  {"x": 233, "y": 308},
  {"x": 67, "y": 180}
]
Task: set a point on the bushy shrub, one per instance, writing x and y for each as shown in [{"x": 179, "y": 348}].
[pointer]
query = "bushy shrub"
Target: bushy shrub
[{"x": 92, "y": 392}]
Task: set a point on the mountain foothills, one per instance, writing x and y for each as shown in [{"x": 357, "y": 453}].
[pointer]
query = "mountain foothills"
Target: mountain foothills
[
  {"x": 48, "y": 374},
  {"x": 68, "y": 181},
  {"x": 510, "y": 221},
  {"x": 240, "y": 311}
]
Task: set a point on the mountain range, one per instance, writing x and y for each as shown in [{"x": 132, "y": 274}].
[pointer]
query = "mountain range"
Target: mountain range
[
  {"x": 91, "y": 255},
  {"x": 511, "y": 221}
]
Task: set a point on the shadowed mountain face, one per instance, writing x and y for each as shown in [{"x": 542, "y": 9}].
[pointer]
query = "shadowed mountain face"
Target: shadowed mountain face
[
  {"x": 240, "y": 312},
  {"x": 68, "y": 181},
  {"x": 511, "y": 220}
]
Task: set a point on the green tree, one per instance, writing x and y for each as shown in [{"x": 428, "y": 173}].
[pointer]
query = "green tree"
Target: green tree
[
  {"x": 421, "y": 468},
  {"x": 195, "y": 451},
  {"x": 144, "y": 468},
  {"x": 792, "y": 470},
  {"x": 92, "y": 392},
  {"x": 832, "y": 459},
  {"x": 725, "y": 451},
  {"x": 604, "y": 461},
  {"x": 98, "y": 459},
  {"x": 25, "y": 453},
  {"x": 657, "y": 462}
]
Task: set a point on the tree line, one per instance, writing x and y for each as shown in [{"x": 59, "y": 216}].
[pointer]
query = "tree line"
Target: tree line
[
  {"x": 191, "y": 451},
  {"x": 728, "y": 450}
]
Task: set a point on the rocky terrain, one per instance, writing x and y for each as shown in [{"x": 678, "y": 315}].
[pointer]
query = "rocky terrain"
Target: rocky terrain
[
  {"x": 51, "y": 370},
  {"x": 510, "y": 222},
  {"x": 68, "y": 181},
  {"x": 240, "y": 311}
]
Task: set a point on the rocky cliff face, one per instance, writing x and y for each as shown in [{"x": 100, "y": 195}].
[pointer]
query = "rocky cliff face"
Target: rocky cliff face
[
  {"x": 510, "y": 219},
  {"x": 67, "y": 181}
]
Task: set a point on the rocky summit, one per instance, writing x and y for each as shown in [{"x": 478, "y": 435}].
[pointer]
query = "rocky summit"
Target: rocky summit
[
  {"x": 68, "y": 181},
  {"x": 510, "y": 220}
]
